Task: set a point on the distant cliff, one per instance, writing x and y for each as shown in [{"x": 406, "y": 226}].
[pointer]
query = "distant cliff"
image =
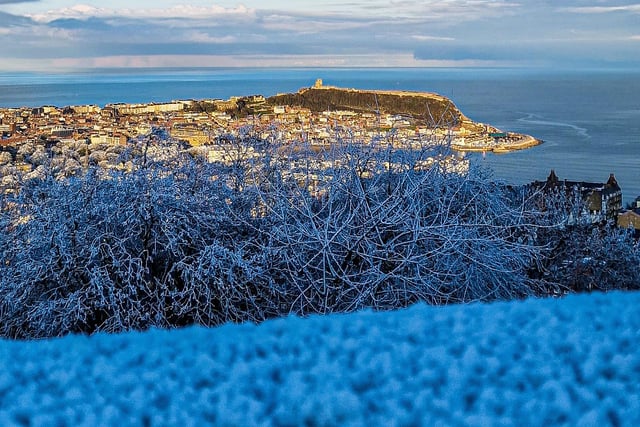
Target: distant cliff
[{"x": 428, "y": 107}]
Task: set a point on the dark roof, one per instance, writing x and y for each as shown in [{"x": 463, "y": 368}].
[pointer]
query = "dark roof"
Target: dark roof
[{"x": 611, "y": 186}]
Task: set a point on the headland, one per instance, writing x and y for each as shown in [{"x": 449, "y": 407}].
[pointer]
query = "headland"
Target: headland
[{"x": 319, "y": 114}]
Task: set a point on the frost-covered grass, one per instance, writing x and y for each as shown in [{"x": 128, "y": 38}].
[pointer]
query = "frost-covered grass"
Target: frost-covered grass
[{"x": 572, "y": 361}]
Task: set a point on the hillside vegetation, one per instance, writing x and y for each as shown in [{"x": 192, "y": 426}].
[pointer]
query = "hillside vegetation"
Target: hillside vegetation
[
  {"x": 421, "y": 106},
  {"x": 166, "y": 238}
]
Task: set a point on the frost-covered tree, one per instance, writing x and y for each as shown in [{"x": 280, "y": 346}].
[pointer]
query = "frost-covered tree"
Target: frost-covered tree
[
  {"x": 187, "y": 236},
  {"x": 385, "y": 239},
  {"x": 107, "y": 250},
  {"x": 587, "y": 257},
  {"x": 5, "y": 158}
]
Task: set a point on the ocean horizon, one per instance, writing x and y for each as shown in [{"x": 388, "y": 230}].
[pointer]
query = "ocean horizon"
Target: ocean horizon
[{"x": 589, "y": 120}]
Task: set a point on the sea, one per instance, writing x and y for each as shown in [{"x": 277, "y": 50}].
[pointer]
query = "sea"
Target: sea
[{"x": 589, "y": 120}]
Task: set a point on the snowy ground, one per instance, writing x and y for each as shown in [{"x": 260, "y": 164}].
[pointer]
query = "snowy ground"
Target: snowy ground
[{"x": 541, "y": 362}]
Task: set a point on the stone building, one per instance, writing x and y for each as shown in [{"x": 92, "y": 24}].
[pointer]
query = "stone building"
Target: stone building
[{"x": 602, "y": 200}]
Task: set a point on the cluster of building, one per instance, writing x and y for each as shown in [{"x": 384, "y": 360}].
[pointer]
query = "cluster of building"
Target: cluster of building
[
  {"x": 201, "y": 122},
  {"x": 601, "y": 201},
  {"x": 50, "y": 124},
  {"x": 205, "y": 123}
]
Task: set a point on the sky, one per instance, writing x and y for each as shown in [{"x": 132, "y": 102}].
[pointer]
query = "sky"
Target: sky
[{"x": 79, "y": 34}]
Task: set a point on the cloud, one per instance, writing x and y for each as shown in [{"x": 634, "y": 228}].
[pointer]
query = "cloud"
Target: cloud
[
  {"x": 176, "y": 12},
  {"x": 7, "y": 19},
  {"x": 473, "y": 31},
  {"x": 428, "y": 10},
  {"x": 633, "y": 8},
  {"x": 17, "y": 1},
  {"x": 309, "y": 24},
  {"x": 423, "y": 38},
  {"x": 93, "y": 24},
  {"x": 364, "y": 60},
  {"x": 203, "y": 37}
]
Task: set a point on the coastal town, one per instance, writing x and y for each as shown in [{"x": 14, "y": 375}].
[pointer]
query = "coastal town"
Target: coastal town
[
  {"x": 87, "y": 135},
  {"x": 201, "y": 122}
]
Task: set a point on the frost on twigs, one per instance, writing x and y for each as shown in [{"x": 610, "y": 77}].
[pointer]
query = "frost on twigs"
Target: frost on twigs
[{"x": 254, "y": 228}]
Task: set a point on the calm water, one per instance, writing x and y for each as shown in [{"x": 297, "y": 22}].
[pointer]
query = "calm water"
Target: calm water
[{"x": 590, "y": 121}]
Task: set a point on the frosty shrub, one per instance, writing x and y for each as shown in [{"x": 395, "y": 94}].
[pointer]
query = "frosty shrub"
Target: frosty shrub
[
  {"x": 391, "y": 238},
  {"x": 583, "y": 258},
  {"x": 101, "y": 251},
  {"x": 250, "y": 229}
]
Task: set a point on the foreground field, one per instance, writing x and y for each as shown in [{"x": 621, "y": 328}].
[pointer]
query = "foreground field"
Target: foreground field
[{"x": 571, "y": 361}]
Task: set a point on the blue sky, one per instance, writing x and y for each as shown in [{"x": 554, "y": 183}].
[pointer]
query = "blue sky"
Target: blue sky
[{"x": 67, "y": 34}]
